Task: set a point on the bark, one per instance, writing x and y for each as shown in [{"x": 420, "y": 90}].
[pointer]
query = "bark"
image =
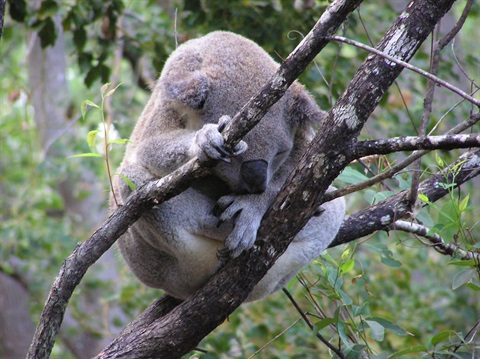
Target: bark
[
  {"x": 185, "y": 325},
  {"x": 381, "y": 215},
  {"x": 410, "y": 143},
  {"x": 156, "y": 192},
  {"x": 50, "y": 98},
  {"x": 2, "y": 15}
]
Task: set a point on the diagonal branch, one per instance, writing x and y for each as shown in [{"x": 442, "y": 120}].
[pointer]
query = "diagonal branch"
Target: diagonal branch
[
  {"x": 381, "y": 215},
  {"x": 299, "y": 199},
  {"x": 436, "y": 241},
  {"x": 472, "y": 120},
  {"x": 411, "y": 143},
  {"x": 156, "y": 192}
]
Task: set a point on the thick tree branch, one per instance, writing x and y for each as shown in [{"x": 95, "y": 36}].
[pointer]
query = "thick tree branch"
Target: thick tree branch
[
  {"x": 299, "y": 199},
  {"x": 381, "y": 215},
  {"x": 436, "y": 241},
  {"x": 411, "y": 143},
  {"x": 472, "y": 120},
  {"x": 156, "y": 192}
]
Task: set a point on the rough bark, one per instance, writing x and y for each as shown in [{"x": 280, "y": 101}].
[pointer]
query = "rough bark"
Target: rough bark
[
  {"x": 381, "y": 215},
  {"x": 50, "y": 98},
  {"x": 185, "y": 325},
  {"x": 363, "y": 223},
  {"x": 411, "y": 143},
  {"x": 182, "y": 328},
  {"x": 156, "y": 192}
]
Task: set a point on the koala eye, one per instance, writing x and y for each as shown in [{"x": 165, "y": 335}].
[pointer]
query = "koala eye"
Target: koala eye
[{"x": 279, "y": 158}]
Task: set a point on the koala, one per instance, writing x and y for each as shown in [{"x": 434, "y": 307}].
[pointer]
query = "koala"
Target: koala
[{"x": 178, "y": 245}]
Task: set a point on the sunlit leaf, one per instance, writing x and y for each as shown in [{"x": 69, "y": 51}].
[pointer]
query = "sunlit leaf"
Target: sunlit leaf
[
  {"x": 91, "y": 139},
  {"x": 462, "y": 278},
  {"x": 127, "y": 180},
  {"x": 377, "y": 331},
  {"x": 120, "y": 141},
  {"x": 89, "y": 154},
  {"x": 447, "y": 335},
  {"x": 347, "y": 266},
  {"x": 414, "y": 349}
]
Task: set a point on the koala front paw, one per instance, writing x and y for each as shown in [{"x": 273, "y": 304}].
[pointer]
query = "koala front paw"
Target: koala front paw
[
  {"x": 246, "y": 223},
  {"x": 209, "y": 143}
]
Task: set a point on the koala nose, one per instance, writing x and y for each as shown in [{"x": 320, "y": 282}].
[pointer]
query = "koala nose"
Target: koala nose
[{"x": 254, "y": 175}]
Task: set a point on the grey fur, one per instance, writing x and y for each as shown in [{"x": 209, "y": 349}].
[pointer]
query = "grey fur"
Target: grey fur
[{"x": 205, "y": 81}]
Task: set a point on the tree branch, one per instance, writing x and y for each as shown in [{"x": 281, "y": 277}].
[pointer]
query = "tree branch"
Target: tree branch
[
  {"x": 381, "y": 215},
  {"x": 299, "y": 198},
  {"x": 472, "y": 120},
  {"x": 156, "y": 192},
  {"x": 410, "y": 143},
  {"x": 408, "y": 66},
  {"x": 437, "y": 241}
]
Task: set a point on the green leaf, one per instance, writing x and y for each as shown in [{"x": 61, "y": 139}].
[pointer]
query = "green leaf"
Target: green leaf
[
  {"x": 91, "y": 139},
  {"x": 447, "y": 335},
  {"x": 439, "y": 160},
  {"x": 89, "y": 154},
  {"x": 91, "y": 103},
  {"x": 423, "y": 198},
  {"x": 91, "y": 76},
  {"x": 347, "y": 266},
  {"x": 460, "y": 263},
  {"x": 18, "y": 10},
  {"x": 462, "y": 206},
  {"x": 414, "y": 349},
  {"x": 377, "y": 331},
  {"x": 346, "y": 300},
  {"x": 473, "y": 286},
  {"x": 387, "y": 324},
  {"x": 343, "y": 334},
  {"x": 360, "y": 310},
  {"x": 322, "y": 323},
  {"x": 120, "y": 141},
  {"x": 351, "y": 176},
  {"x": 79, "y": 38},
  {"x": 47, "y": 9},
  {"x": 463, "y": 278},
  {"x": 104, "y": 88},
  {"x": 47, "y": 34},
  {"x": 111, "y": 92},
  {"x": 127, "y": 180}
]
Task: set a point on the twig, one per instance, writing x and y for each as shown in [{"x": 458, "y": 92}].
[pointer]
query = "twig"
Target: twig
[
  {"x": 275, "y": 337},
  {"x": 384, "y": 213},
  {"x": 407, "y": 66},
  {"x": 156, "y": 192},
  {"x": 411, "y": 143},
  {"x": 310, "y": 325},
  {"x": 399, "y": 166},
  {"x": 437, "y": 241}
]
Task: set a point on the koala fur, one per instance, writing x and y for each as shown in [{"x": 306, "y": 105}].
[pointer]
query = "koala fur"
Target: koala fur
[{"x": 175, "y": 245}]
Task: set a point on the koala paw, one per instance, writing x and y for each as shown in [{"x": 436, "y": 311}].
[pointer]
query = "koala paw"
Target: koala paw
[
  {"x": 246, "y": 222},
  {"x": 209, "y": 143}
]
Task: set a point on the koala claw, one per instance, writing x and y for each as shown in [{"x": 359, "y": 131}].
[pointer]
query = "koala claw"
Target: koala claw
[
  {"x": 223, "y": 255},
  {"x": 222, "y": 204}
]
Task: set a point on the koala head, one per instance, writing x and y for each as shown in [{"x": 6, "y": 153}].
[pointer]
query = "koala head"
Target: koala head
[{"x": 216, "y": 75}]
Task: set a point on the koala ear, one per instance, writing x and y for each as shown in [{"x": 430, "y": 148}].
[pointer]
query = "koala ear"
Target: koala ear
[
  {"x": 190, "y": 88},
  {"x": 303, "y": 108}
]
